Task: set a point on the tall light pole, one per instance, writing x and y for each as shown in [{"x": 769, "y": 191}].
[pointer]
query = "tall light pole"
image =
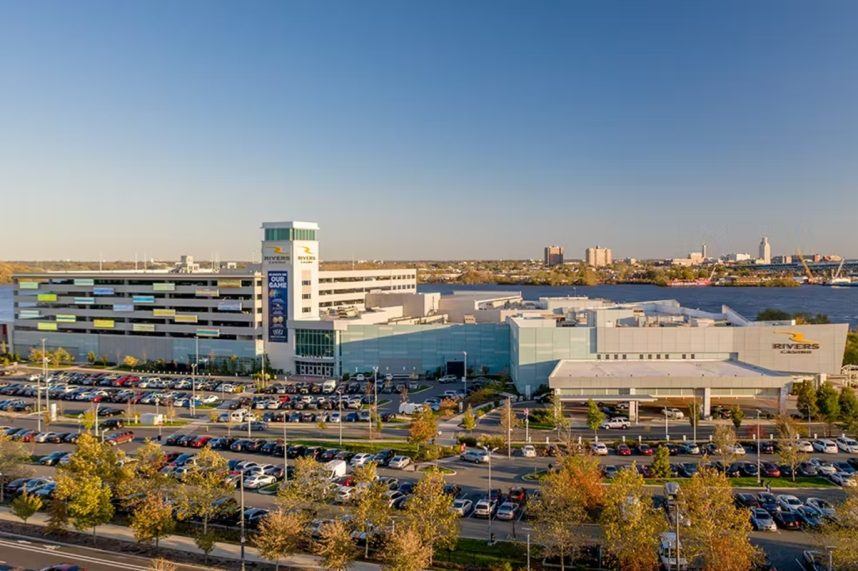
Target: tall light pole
[
  {"x": 193, "y": 406},
  {"x": 241, "y": 480},
  {"x": 340, "y": 407},
  {"x": 158, "y": 416},
  {"x": 759, "y": 443},
  {"x": 285, "y": 453},
  {"x": 465, "y": 374},
  {"x": 375, "y": 390},
  {"x": 509, "y": 427},
  {"x": 45, "y": 376},
  {"x": 489, "y": 451}
]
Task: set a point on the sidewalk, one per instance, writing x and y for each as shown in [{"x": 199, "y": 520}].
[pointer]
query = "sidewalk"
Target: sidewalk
[{"x": 182, "y": 543}]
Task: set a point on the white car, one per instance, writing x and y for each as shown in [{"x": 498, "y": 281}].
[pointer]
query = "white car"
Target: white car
[
  {"x": 617, "y": 422},
  {"x": 448, "y": 379},
  {"x": 825, "y": 446},
  {"x": 788, "y": 502},
  {"x": 804, "y": 446},
  {"x": 361, "y": 459},
  {"x": 674, "y": 414},
  {"x": 484, "y": 508},
  {"x": 335, "y": 417},
  {"x": 44, "y": 436},
  {"x": 344, "y": 494},
  {"x": 847, "y": 444},
  {"x": 762, "y": 520},
  {"x": 736, "y": 449},
  {"x": 462, "y": 506},
  {"x": 399, "y": 462},
  {"x": 528, "y": 451},
  {"x": 507, "y": 511},
  {"x": 256, "y": 481},
  {"x": 599, "y": 449}
]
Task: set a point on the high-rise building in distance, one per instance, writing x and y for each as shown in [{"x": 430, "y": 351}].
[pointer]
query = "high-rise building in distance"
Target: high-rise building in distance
[
  {"x": 553, "y": 256},
  {"x": 598, "y": 257},
  {"x": 765, "y": 253}
]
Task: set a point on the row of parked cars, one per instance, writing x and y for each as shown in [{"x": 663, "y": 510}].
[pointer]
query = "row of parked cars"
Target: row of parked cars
[
  {"x": 770, "y": 512},
  {"x": 117, "y": 380}
]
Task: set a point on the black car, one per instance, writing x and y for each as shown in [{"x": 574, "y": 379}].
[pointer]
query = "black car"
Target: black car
[
  {"x": 111, "y": 423},
  {"x": 768, "y": 502},
  {"x": 767, "y": 447},
  {"x": 788, "y": 520},
  {"x": 687, "y": 469},
  {"x": 384, "y": 457},
  {"x": 786, "y": 470},
  {"x": 746, "y": 501}
]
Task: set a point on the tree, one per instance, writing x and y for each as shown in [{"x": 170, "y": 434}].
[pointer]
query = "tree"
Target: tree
[
  {"x": 661, "y": 463},
  {"x": 469, "y": 421},
  {"x": 828, "y": 403},
  {"x": 62, "y": 357},
  {"x": 150, "y": 460},
  {"x": 508, "y": 422},
  {"x": 88, "y": 500},
  {"x": 372, "y": 509},
  {"x": 91, "y": 357},
  {"x": 631, "y": 523},
  {"x": 152, "y": 519},
  {"x": 430, "y": 513},
  {"x": 557, "y": 516},
  {"x": 161, "y": 564},
  {"x": 556, "y": 418},
  {"x": 308, "y": 488},
  {"x": 842, "y": 535},
  {"x": 806, "y": 402},
  {"x": 737, "y": 415},
  {"x": 424, "y": 427},
  {"x": 788, "y": 452},
  {"x": 773, "y": 315},
  {"x": 718, "y": 534},
  {"x": 205, "y": 542},
  {"x": 25, "y": 505},
  {"x": 724, "y": 438},
  {"x": 205, "y": 482},
  {"x": 848, "y": 408},
  {"x": 95, "y": 458},
  {"x": 335, "y": 546},
  {"x": 58, "y": 516},
  {"x": 130, "y": 361},
  {"x": 406, "y": 550},
  {"x": 595, "y": 417},
  {"x": 14, "y": 460},
  {"x": 279, "y": 535}
]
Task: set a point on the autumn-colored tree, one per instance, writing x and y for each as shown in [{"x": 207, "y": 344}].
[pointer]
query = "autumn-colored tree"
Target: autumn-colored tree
[
  {"x": 430, "y": 512},
  {"x": 557, "y": 517},
  {"x": 92, "y": 457},
  {"x": 371, "y": 509},
  {"x": 842, "y": 535},
  {"x": 336, "y": 547},
  {"x": 556, "y": 417},
  {"x": 279, "y": 535},
  {"x": 724, "y": 438},
  {"x": 424, "y": 427},
  {"x": 469, "y": 421},
  {"x": 406, "y": 550},
  {"x": 87, "y": 499},
  {"x": 508, "y": 423},
  {"x": 161, "y": 564},
  {"x": 788, "y": 434},
  {"x": 719, "y": 532},
  {"x": 150, "y": 459},
  {"x": 583, "y": 473},
  {"x": 152, "y": 519},
  {"x": 661, "y": 463},
  {"x": 737, "y": 415},
  {"x": 631, "y": 523},
  {"x": 25, "y": 505}
]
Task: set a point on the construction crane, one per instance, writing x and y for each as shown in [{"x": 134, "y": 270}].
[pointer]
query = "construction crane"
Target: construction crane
[{"x": 811, "y": 279}]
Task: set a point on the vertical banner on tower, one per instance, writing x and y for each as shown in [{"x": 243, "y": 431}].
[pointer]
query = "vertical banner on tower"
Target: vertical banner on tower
[{"x": 278, "y": 300}]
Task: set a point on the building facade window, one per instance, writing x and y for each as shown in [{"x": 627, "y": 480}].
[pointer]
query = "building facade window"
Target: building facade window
[{"x": 314, "y": 343}]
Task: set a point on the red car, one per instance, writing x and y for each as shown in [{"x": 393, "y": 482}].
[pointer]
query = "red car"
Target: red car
[
  {"x": 770, "y": 470},
  {"x": 200, "y": 441},
  {"x": 624, "y": 450},
  {"x": 118, "y": 438},
  {"x": 643, "y": 449}
]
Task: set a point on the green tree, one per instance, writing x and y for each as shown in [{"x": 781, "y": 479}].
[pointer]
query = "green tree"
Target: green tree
[
  {"x": 661, "y": 463},
  {"x": 14, "y": 460},
  {"x": 737, "y": 415},
  {"x": 806, "y": 402},
  {"x": 88, "y": 500},
  {"x": 205, "y": 542},
  {"x": 631, "y": 523},
  {"x": 828, "y": 403},
  {"x": 424, "y": 427},
  {"x": 773, "y": 315},
  {"x": 842, "y": 535},
  {"x": 719, "y": 532},
  {"x": 152, "y": 519},
  {"x": 92, "y": 457},
  {"x": 556, "y": 418},
  {"x": 430, "y": 512},
  {"x": 848, "y": 403},
  {"x": 336, "y": 547},
  {"x": 205, "y": 482},
  {"x": 372, "y": 510},
  {"x": 308, "y": 488},
  {"x": 595, "y": 417},
  {"x": 508, "y": 422},
  {"x": 469, "y": 421},
  {"x": 130, "y": 361},
  {"x": 91, "y": 357},
  {"x": 406, "y": 550},
  {"x": 850, "y": 355},
  {"x": 279, "y": 535},
  {"x": 25, "y": 505}
]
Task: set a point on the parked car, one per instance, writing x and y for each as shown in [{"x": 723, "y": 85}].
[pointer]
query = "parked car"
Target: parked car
[
  {"x": 762, "y": 520},
  {"x": 485, "y": 507},
  {"x": 846, "y": 444},
  {"x": 618, "y": 422},
  {"x": 462, "y": 506},
  {"x": 824, "y": 445},
  {"x": 119, "y": 437},
  {"x": 399, "y": 462},
  {"x": 528, "y": 451},
  {"x": 623, "y": 450},
  {"x": 598, "y": 449},
  {"x": 643, "y": 449},
  {"x": 507, "y": 511},
  {"x": 475, "y": 456}
]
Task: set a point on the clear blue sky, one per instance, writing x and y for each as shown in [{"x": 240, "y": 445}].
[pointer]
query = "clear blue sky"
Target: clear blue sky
[{"x": 427, "y": 129}]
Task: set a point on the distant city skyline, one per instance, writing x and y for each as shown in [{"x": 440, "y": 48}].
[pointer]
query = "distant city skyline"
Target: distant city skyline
[{"x": 448, "y": 130}]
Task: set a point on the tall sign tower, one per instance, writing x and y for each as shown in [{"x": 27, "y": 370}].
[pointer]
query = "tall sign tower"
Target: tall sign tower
[{"x": 290, "y": 283}]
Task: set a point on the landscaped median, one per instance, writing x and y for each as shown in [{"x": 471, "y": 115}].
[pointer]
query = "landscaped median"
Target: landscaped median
[{"x": 807, "y": 482}]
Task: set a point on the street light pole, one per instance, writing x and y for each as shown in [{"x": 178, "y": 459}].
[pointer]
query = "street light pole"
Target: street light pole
[
  {"x": 465, "y": 374},
  {"x": 285, "y": 454},
  {"x": 489, "y": 451},
  {"x": 45, "y": 375},
  {"x": 759, "y": 442},
  {"x": 509, "y": 427},
  {"x": 241, "y": 480},
  {"x": 158, "y": 416},
  {"x": 193, "y": 406},
  {"x": 340, "y": 423},
  {"x": 374, "y": 385}
]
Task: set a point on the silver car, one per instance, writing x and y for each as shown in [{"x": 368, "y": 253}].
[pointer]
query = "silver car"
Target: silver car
[{"x": 762, "y": 520}]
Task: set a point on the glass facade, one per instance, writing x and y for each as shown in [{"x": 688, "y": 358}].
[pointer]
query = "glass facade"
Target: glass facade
[
  {"x": 314, "y": 343},
  {"x": 288, "y": 234}
]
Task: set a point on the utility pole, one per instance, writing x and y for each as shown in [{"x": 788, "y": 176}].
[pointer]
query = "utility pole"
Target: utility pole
[
  {"x": 465, "y": 374},
  {"x": 759, "y": 443},
  {"x": 374, "y": 385},
  {"x": 509, "y": 420},
  {"x": 285, "y": 454},
  {"x": 45, "y": 375},
  {"x": 340, "y": 407},
  {"x": 241, "y": 479},
  {"x": 489, "y": 451}
]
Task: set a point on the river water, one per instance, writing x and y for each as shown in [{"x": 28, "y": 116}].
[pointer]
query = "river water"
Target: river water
[{"x": 840, "y": 304}]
